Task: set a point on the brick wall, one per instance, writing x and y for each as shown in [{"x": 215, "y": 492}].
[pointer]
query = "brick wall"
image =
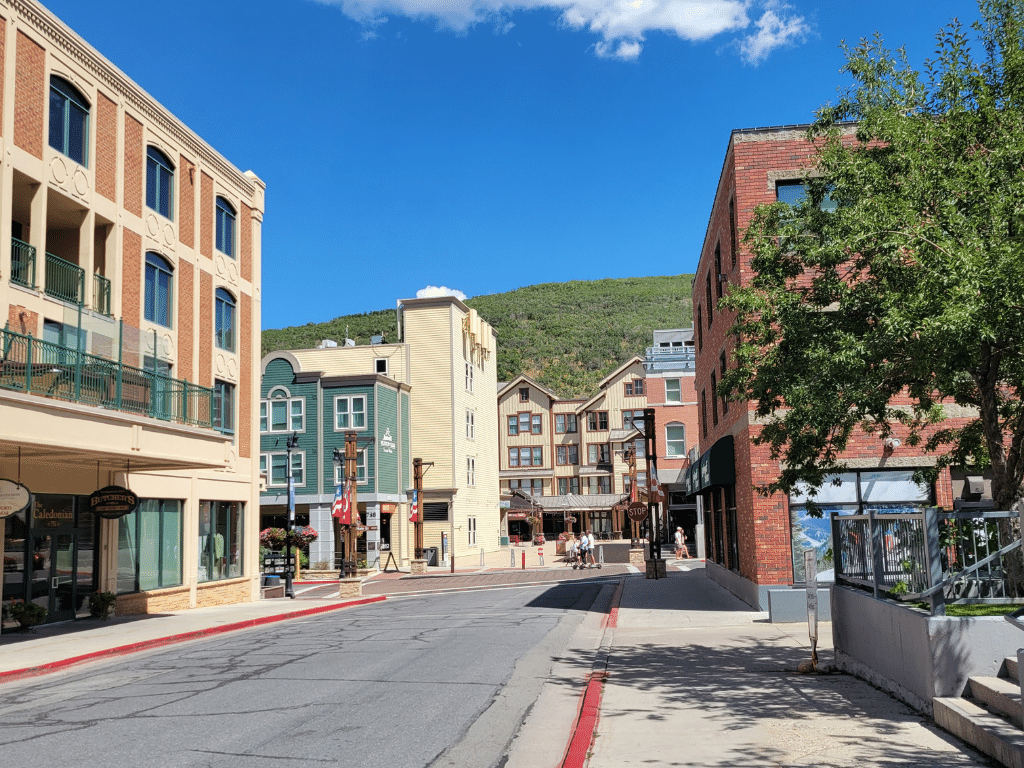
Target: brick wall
[
  {"x": 160, "y": 601},
  {"x": 186, "y": 202},
  {"x": 206, "y": 216},
  {"x": 224, "y": 593},
  {"x": 245, "y": 224},
  {"x": 186, "y": 321},
  {"x": 245, "y": 353},
  {"x": 133, "y": 165},
  {"x": 23, "y": 321},
  {"x": 106, "y": 147},
  {"x": 205, "y": 329},
  {"x": 131, "y": 281},
  {"x": 30, "y": 94}
]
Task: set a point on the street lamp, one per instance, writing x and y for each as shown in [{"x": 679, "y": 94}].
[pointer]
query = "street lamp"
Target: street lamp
[{"x": 291, "y": 445}]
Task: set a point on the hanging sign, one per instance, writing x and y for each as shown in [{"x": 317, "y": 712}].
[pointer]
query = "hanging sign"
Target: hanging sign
[
  {"x": 113, "y": 502},
  {"x": 14, "y": 497}
]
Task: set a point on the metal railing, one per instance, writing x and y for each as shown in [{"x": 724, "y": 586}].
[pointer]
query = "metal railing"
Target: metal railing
[
  {"x": 64, "y": 280},
  {"x": 101, "y": 294},
  {"x": 670, "y": 358},
  {"x": 23, "y": 263},
  {"x": 39, "y": 367},
  {"x": 930, "y": 555}
]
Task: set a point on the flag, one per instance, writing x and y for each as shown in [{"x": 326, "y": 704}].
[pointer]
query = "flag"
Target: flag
[
  {"x": 632, "y": 489},
  {"x": 657, "y": 494},
  {"x": 342, "y": 507},
  {"x": 414, "y": 508}
]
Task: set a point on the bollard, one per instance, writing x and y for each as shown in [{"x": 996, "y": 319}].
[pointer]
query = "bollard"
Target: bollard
[
  {"x": 600, "y": 555},
  {"x": 540, "y": 557},
  {"x": 524, "y": 559},
  {"x": 512, "y": 558},
  {"x": 481, "y": 558}
]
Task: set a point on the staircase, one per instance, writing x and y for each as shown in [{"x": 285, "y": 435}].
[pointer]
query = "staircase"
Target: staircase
[{"x": 988, "y": 715}]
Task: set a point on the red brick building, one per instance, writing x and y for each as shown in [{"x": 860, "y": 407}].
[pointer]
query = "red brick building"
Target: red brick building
[{"x": 754, "y": 543}]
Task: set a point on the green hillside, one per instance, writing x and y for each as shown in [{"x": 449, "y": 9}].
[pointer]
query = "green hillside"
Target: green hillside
[{"x": 567, "y": 336}]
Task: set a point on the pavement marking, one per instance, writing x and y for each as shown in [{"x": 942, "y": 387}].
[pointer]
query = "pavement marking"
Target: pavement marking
[
  {"x": 421, "y": 592},
  {"x": 633, "y": 569}
]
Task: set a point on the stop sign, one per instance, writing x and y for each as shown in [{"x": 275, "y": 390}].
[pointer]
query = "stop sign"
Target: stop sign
[{"x": 637, "y": 511}]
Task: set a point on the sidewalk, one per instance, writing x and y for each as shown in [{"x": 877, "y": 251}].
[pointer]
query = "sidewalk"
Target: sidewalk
[{"x": 696, "y": 678}]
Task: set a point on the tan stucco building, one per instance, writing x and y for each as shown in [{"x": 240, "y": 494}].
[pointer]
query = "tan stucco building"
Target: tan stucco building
[{"x": 130, "y": 287}]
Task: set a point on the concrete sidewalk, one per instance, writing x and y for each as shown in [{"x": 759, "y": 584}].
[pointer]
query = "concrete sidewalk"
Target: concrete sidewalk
[{"x": 696, "y": 678}]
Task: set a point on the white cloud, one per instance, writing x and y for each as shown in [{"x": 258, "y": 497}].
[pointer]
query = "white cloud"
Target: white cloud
[
  {"x": 621, "y": 24},
  {"x": 439, "y": 290}
]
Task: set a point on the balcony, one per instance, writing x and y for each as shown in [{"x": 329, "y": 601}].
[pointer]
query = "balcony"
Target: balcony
[
  {"x": 101, "y": 294},
  {"x": 670, "y": 359},
  {"x": 23, "y": 263},
  {"x": 42, "y": 368},
  {"x": 64, "y": 280}
]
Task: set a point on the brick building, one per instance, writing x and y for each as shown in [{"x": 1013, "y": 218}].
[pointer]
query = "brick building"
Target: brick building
[
  {"x": 754, "y": 544},
  {"x": 131, "y": 294}
]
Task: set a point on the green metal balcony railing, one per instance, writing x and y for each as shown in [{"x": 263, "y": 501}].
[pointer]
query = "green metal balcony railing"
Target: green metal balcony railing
[
  {"x": 64, "y": 280},
  {"x": 39, "y": 367},
  {"x": 23, "y": 263},
  {"x": 101, "y": 294}
]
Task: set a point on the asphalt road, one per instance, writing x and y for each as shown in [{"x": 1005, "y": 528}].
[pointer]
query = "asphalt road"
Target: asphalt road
[{"x": 437, "y": 680}]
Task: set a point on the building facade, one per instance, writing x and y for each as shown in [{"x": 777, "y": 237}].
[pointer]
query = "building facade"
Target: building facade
[
  {"x": 131, "y": 293},
  {"x": 755, "y": 543}
]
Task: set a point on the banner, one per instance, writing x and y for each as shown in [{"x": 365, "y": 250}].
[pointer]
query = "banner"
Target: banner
[
  {"x": 342, "y": 507},
  {"x": 414, "y": 508}
]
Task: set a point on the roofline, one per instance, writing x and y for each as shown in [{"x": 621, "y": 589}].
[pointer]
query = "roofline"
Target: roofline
[{"x": 524, "y": 377}]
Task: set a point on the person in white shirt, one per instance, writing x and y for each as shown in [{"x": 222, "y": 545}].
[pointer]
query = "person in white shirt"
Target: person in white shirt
[{"x": 681, "y": 550}]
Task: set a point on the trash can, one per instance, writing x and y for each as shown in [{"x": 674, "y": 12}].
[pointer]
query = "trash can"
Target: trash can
[
  {"x": 271, "y": 581},
  {"x": 430, "y": 555}
]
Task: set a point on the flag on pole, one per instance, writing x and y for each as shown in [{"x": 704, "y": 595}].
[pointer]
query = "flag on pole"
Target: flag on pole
[
  {"x": 342, "y": 507},
  {"x": 657, "y": 494},
  {"x": 414, "y": 508}
]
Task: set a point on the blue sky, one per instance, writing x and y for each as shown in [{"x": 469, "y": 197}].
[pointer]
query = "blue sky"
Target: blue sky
[{"x": 483, "y": 145}]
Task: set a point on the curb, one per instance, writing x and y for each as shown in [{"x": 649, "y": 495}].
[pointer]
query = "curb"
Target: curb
[{"x": 158, "y": 642}]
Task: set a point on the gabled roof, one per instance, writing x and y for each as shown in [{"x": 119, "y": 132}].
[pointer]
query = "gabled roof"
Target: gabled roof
[
  {"x": 523, "y": 378},
  {"x": 607, "y": 380}
]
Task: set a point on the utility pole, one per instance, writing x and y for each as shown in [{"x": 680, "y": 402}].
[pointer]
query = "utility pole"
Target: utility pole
[
  {"x": 652, "y": 474},
  {"x": 417, "y": 485}
]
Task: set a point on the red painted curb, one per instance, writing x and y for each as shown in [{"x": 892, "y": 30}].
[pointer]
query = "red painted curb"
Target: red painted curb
[
  {"x": 579, "y": 745},
  {"x": 612, "y": 617},
  {"x": 123, "y": 650}
]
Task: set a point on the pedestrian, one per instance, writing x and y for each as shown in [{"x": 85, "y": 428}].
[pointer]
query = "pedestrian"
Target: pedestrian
[
  {"x": 681, "y": 550},
  {"x": 589, "y": 552}
]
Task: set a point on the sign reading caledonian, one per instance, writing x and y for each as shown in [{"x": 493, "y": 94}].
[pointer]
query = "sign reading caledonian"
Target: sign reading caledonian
[
  {"x": 113, "y": 502},
  {"x": 14, "y": 497}
]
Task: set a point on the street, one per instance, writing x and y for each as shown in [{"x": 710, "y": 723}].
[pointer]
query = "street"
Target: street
[{"x": 411, "y": 682}]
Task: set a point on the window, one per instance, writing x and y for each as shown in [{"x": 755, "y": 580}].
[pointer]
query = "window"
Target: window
[
  {"x": 69, "y": 120},
  {"x": 470, "y": 425},
  {"x": 350, "y": 412},
  {"x": 640, "y": 448},
  {"x": 224, "y": 407},
  {"x": 599, "y": 453},
  {"x": 535, "y": 422},
  {"x": 634, "y": 388},
  {"x": 601, "y": 484},
  {"x": 633, "y": 420},
  {"x": 732, "y": 230},
  {"x": 159, "y": 182},
  {"x": 221, "y": 528},
  {"x": 793, "y": 193},
  {"x": 565, "y": 422},
  {"x": 627, "y": 482},
  {"x": 380, "y": 365},
  {"x": 711, "y": 314},
  {"x": 469, "y": 377},
  {"x": 568, "y": 485},
  {"x": 567, "y": 454},
  {"x": 597, "y": 421},
  {"x": 714, "y": 399},
  {"x": 704, "y": 412},
  {"x": 224, "y": 331},
  {"x": 675, "y": 440},
  {"x": 470, "y": 471},
  {"x": 526, "y": 457},
  {"x": 513, "y": 457},
  {"x": 149, "y": 546},
  {"x": 524, "y": 394},
  {"x": 722, "y": 367},
  {"x": 159, "y": 293},
  {"x": 700, "y": 330},
  {"x": 278, "y": 472},
  {"x": 435, "y": 512},
  {"x": 361, "y": 476},
  {"x": 673, "y": 391},
  {"x": 538, "y": 456},
  {"x": 281, "y": 413},
  {"x": 513, "y": 425},
  {"x": 532, "y": 487},
  {"x": 471, "y": 528},
  {"x": 719, "y": 275},
  {"x": 524, "y": 423},
  {"x": 225, "y": 227}
]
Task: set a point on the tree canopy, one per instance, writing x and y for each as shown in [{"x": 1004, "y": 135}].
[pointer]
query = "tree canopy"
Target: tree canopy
[{"x": 901, "y": 306}]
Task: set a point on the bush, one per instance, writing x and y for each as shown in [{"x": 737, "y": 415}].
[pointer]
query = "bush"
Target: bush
[
  {"x": 101, "y": 604},
  {"x": 27, "y": 614}
]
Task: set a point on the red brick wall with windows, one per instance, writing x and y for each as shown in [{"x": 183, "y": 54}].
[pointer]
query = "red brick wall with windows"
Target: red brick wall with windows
[
  {"x": 106, "y": 147},
  {"x": 186, "y": 320},
  {"x": 245, "y": 377},
  {"x": 30, "y": 93},
  {"x": 186, "y": 201},
  {"x": 133, "y": 165},
  {"x": 205, "y": 321},
  {"x": 206, "y": 216}
]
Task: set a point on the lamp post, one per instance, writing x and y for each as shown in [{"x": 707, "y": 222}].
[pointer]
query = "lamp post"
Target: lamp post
[{"x": 291, "y": 444}]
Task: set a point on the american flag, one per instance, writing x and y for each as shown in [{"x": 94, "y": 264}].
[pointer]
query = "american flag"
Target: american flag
[
  {"x": 414, "y": 508},
  {"x": 657, "y": 493},
  {"x": 342, "y": 508}
]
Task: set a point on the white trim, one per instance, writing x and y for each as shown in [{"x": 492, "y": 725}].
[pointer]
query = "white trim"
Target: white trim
[
  {"x": 270, "y": 468},
  {"x": 349, "y": 413}
]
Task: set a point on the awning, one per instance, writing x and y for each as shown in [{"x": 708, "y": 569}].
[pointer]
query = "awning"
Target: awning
[{"x": 716, "y": 466}]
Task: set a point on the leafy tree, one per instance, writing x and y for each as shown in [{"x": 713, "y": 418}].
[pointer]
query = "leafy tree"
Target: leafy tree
[{"x": 901, "y": 308}]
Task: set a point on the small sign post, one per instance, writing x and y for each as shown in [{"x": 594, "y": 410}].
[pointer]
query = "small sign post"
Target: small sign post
[{"x": 811, "y": 579}]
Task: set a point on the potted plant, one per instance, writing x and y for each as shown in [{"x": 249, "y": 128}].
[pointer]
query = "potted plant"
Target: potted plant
[
  {"x": 101, "y": 604},
  {"x": 27, "y": 614}
]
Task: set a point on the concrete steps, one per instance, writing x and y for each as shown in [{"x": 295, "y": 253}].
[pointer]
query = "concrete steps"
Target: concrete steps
[{"x": 988, "y": 716}]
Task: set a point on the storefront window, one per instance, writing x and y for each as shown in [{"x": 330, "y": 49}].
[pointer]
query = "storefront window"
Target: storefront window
[
  {"x": 220, "y": 540},
  {"x": 149, "y": 546},
  {"x": 15, "y": 542}
]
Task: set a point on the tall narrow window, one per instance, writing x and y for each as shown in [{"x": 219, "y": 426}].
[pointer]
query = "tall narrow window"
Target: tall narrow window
[
  {"x": 675, "y": 440},
  {"x": 159, "y": 293},
  {"x": 700, "y": 330},
  {"x": 224, "y": 407},
  {"x": 225, "y": 320},
  {"x": 470, "y": 471},
  {"x": 159, "y": 182},
  {"x": 704, "y": 412},
  {"x": 722, "y": 368},
  {"x": 714, "y": 399},
  {"x": 719, "y": 275},
  {"x": 225, "y": 227},
  {"x": 69, "y": 120},
  {"x": 711, "y": 313},
  {"x": 732, "y": 230},
  {"x": 673, "y": 391}
]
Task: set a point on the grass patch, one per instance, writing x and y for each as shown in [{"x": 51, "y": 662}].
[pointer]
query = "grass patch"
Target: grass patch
[{"x": 980, "y": 609}]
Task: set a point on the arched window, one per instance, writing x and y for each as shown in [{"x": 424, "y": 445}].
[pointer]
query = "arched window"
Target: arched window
[
  {"x": 159, "y": 289},
  {"x": 225, "y": 227},
  {"x": 225, "y": 321},
  {"x": 675, "y": 440},
  {"x": 69, "y": 120},
  {"x": 159, "y": 182}
]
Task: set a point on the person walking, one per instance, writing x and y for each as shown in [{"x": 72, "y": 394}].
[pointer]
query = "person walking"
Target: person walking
[
  {"x": 589, "y": 551},
  {"x": 681, "y": 549}
]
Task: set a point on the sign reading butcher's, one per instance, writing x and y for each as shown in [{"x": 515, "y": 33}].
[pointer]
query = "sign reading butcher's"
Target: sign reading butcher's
[
  {"x": 113, "y": 502},
  {"x": 14, "y": 497}
]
